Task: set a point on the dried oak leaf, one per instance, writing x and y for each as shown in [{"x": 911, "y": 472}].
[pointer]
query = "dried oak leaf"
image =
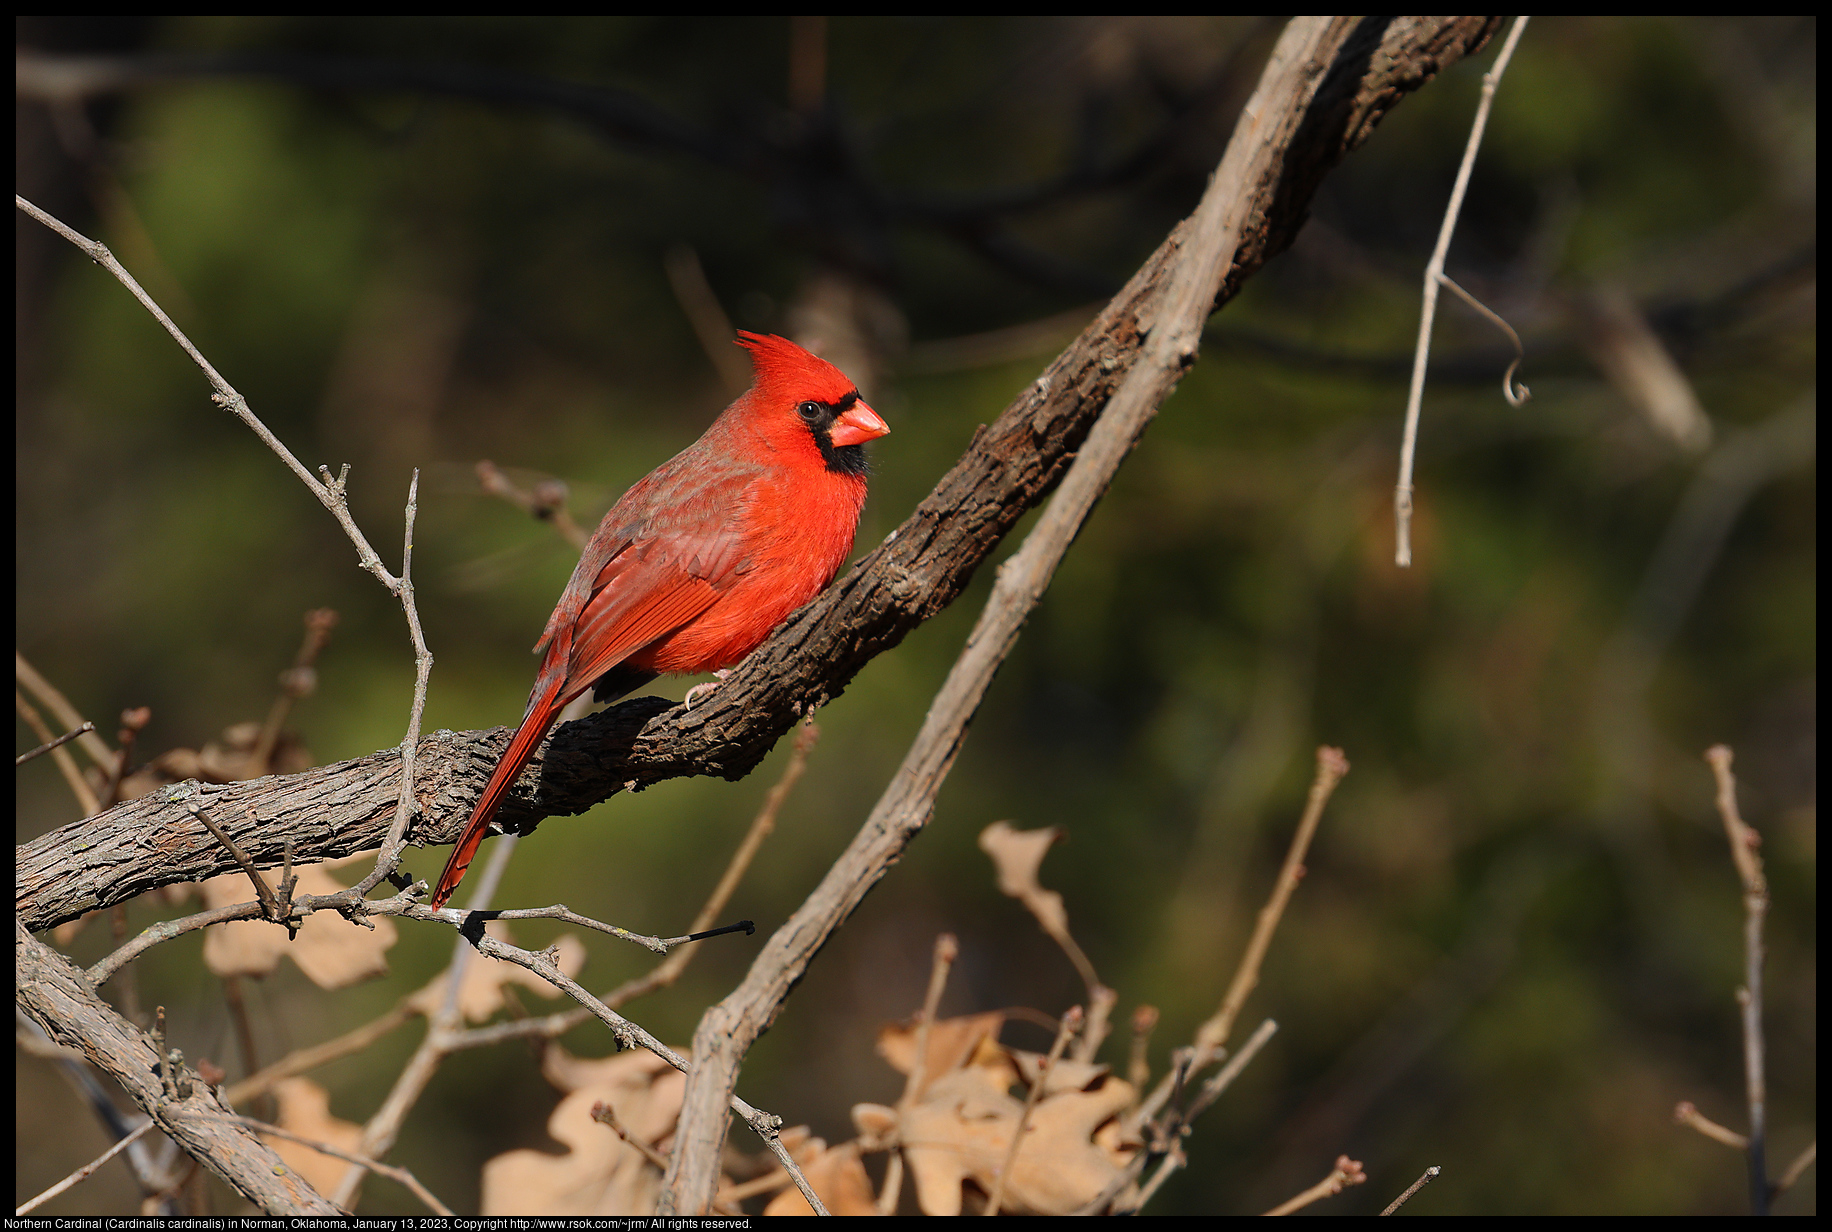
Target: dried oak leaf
[
  {"x": 599, "y": 1173},
  {"x": 959, "y": 1132},
  {"x": 305, "y": 1109},
  {"x": 952, "y": 1043},
  {"x": 837, "y": 1176}
]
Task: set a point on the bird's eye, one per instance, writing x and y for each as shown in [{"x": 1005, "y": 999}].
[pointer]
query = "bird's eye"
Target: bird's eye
[{"x": 809, "y": 411}]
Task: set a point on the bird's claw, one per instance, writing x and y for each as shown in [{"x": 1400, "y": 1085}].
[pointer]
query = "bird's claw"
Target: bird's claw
[{"x": 700, "y": 690}]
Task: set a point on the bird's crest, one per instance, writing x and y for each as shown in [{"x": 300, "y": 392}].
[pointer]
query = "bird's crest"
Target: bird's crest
[{"x": 782, "y": 365}]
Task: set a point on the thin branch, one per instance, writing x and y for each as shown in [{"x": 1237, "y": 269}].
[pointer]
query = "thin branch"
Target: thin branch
[
  {"x": 1101, "y": 1000},
  {"x": 406, "y": 807},
  {"x": 468, "y": 918},
  {"x": 347, "y": 903},
  {"x": 48, "y": 745},
  {"x": 1331, "y": 766},
  {"x": 1434, "y": 273},
  {"x": 52, "y": 698},
  {"x": 1743, "y": 844},
  {"x": 665, "y": 973},
  {"x": 331, "y": 493},
  {"x": 400, "y": 1175},
  {"x": 304, "y": 1060},
  {"x": 1346, "y": 1172},
  {"x": 1224, "y": 1077},
  {"x": 298, "y": 681},
  {"x": 1686, "y": 1113},
  {"x": 546, "y": 502},
  {"x": 1516, "y": 393},
  {"x": 1164, "y": 1137},
  {"x": 1065, "y": 1031},
  {"x": 328, "y": 491},
  {"x": 1425, "y": 1178},
  {"x": 1802, "y": 1162},
  {"x": 270, "y": 906},
  {"x": 700, "y": 304},
  {"x": 85, "y": 1172},
  {"x": 60, "y": 757},
  {"x": 1138, "y": 1065},
  {"x": 947, "y": 949}
]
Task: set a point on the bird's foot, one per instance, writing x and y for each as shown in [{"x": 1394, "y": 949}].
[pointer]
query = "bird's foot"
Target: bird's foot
[{"x": 701, "y": 690}]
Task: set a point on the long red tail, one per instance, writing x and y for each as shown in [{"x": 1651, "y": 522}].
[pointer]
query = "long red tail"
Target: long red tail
[{"x": 528, "y": 738}]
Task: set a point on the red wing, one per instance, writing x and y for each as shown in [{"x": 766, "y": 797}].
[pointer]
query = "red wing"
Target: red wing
[
  {"x": 638, "y": 606},
  {"x": 672, "y": 569}
]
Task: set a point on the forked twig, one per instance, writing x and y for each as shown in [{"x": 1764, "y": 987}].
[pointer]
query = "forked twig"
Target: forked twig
[{"x": 1434, "y": 275}]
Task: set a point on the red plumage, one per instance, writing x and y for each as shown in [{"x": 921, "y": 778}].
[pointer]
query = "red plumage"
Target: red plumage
[{"x": 700, "y": 562}]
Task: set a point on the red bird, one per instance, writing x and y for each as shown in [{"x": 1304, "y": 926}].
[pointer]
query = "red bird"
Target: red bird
[{"x": 699, "y": 562}]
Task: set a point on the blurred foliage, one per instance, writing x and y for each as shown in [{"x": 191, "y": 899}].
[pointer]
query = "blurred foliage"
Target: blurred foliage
[{"x": 1518, "y": 942}]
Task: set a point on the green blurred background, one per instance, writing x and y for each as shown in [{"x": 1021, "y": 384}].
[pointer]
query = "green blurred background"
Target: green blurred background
[{"x": 1519, "y": 940}]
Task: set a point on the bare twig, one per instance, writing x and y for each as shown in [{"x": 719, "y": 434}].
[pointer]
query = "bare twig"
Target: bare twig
[
  {"x": 565, "y": 914},
  {"x": 328, "y": 491},
  {"x": 1743, "y": 844},
  {"x": 60, "y": 756},
  {"x": 1065, "y": 1031},
  {"x": 52, "y": 698},
  {"x": 711, "y": 326},
  {"x": 1516, "y": 393},
  {"x": 270, "y": 906},
  {"x": 48, "y": 745},
  {"x": 1224, "y": 1077},
  {"x": 947, "y": 949},
  {"x": 133, "y": 721},
  {"x": 665, "y": 973},
  {"x": 604, "y": 1114},
  {"x": 1101, "y": 1000},
  {"x": 393, "y": 1173},
  {"x": 1434, "y": 274},
  {"x": 1164, "y": 1137},
  {"x": 1331, "y": 766},
  {"x": 304, "y": 1060},
  {"x": 331, "y": 493},
  {"x": 1346, "y": 1172},
  {"x": 1138, "y": 1065},
  {"x": 347, "y": 903},
  {"x": 86, "y": 1171},
  {"x": 296, "y": 682},
  {"x": 1801, "y": 1163},
  {"x": 1174, "y": 1159},
  {"x": 406, "y": 806},
  {"x": 1686, "y": 1113},
  {"x": 1425, "y": 1178},
  {"x": 546, "y": 503}
]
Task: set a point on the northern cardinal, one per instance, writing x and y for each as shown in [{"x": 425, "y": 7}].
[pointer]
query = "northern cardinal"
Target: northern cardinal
[{"x": 699, "y": 562}]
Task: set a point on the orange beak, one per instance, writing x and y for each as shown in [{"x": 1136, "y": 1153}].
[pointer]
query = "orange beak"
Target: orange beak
[{"x": 856, "y": 425}]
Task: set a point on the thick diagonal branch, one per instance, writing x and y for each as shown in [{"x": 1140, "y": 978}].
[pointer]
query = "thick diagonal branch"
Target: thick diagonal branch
[{"x": 1195, "y": 262}]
